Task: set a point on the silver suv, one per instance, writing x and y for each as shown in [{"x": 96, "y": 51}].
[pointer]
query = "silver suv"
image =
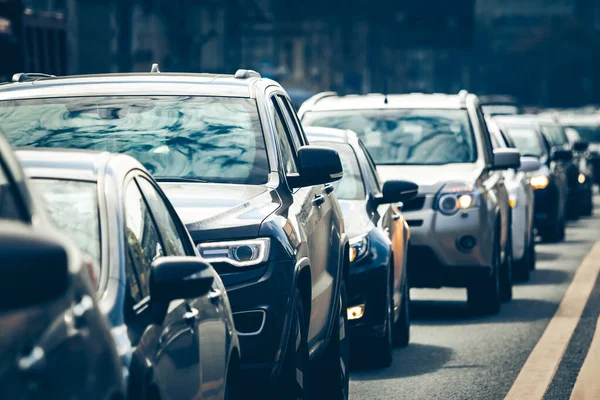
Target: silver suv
[{"x": 460, "y": 222}]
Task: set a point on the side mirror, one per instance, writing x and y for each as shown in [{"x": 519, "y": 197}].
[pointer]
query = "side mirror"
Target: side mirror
[
  {"x": 177, "y": 278},
  {"x": 560, "y": 154},
  {"x": 506, "y": 159},
  {"x": 397, "y": 191},
  {"x": 316, "y": 165},
  {"x": 34, "y": 267},
  {"x": 530, "y": 164},
  {"x": 581, "y": 146}
]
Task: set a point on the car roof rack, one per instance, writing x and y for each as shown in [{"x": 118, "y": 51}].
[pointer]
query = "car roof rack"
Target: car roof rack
[
  {"x": 30, "y": 76},
  {"x": 245, "y": 74},
  {"x": 154, "y": 69}
]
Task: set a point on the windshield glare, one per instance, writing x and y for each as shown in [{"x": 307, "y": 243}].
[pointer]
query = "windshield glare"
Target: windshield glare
[
  {"x": 73, "y": 207},
  {"x": 526, "y": 141},
  {"x": 217, "y": 139},
  {"x": 406, "y": 136}
]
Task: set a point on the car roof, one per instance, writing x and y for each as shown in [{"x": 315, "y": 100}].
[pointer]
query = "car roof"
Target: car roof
[
  {"x": 132, "y": 84},
  {"x": 333, "y": 102},
  {"x": 70, "y": 164},
  {"x": 320, "y": 134}
]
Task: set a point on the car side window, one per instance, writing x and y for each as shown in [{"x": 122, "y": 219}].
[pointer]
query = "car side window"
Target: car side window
[
  {"x": 168, "y": 229},
  {"x": 295, "y": 126},
  {"x": 9, "y": 202},
  {"x": 486, "y": 134},
  {"x": 371, "y": 170},
  {"x": 142, "y": 241},
  {"x": 286, "y": 151}
]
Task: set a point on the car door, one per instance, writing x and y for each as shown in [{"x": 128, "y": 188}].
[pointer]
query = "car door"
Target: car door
[
  {"x": 212, "y": 328},
  {"x": 314, "y": 220},
  {"x": 166, "y": 360}
]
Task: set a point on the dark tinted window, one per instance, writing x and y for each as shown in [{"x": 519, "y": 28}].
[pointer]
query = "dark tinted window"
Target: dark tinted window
[
  {"x": 218, "y": 139},
  {"x": 169, "y": 230},
  {"x": 589, "y": 133},
  {"x": 9, "y": 203},
  {"x": 286, "y": 150},
  {"x": 406, "y": 136},
  {"x": 144, "y": 244},
  {"x": 73, "y": 208},
  {"x": 351, "y": 186}
]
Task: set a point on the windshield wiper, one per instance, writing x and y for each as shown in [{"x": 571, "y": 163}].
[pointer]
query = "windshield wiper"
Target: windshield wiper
[{"x": 181, "y": 179}]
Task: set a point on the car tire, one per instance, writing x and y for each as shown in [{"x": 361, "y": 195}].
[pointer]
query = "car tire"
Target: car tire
[
  {"x": 232, "y": 384},
  {"x": 483, "y": 297},
  {"x": 292, "y": 383},
  {"x": 556, "y": 234},
  {"x": 588, "y": 208},
  {"x": 331, "y": 380},
  {"x": 523, "y": 267},
  {"x": 401, "y": 329},
  {"x": 380, "y": 351},
  {"x": 506, "y": 269}
]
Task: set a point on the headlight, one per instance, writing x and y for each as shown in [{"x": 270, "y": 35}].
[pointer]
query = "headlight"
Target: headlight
[
  {"x": 457, "y": 196},
  {"x": 539, "y": 182},
  {"x": 359, "y": 246},
  {"x": 512, "y": 200},
  {"x": 581, "y": 178},
  {"x": 239, "y": 253}
]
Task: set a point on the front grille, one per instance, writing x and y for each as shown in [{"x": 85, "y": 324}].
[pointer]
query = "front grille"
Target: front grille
[{"x": 415, "y": 204}]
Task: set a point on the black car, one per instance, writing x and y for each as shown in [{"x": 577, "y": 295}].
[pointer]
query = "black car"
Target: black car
[
  {"x": 587, "y": 128},
  {"x": 168, "y": 309},
  {"x": 378, "y": 291},
  {"x": 232, "y": 157},
  {"x": 54, "y": 341},
  {"x": 550, "y": 182}
]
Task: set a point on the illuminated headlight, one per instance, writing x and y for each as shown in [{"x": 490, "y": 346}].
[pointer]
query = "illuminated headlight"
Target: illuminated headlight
[
  {"x": 457, "y": 196},
  {"x": 581, "y": 178},
  {"x": 359, "y": 246},
  {"x": 512, "y": 200},
  {"x": 539, "y": 182},
  {"x": 356, "y": 312},
  {"x": 239, "y": 253}
]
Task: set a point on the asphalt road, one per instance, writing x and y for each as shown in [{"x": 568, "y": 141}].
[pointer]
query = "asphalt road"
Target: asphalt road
[{"x": 454, "y": 355}]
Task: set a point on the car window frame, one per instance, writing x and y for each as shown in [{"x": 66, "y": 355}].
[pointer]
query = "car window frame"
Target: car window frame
[
  {"x": 371, "y": 168},
  {"x": 22, "y": 211},
  {"x": 278, "y": 113}
]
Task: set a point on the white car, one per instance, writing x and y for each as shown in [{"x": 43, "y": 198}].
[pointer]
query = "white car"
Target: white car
[{"x": 521, "y": 199}]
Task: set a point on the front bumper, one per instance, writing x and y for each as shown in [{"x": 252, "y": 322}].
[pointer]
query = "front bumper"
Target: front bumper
[
  {"x": 436, "y": 258},
  {"x": 260, "y": 307}
]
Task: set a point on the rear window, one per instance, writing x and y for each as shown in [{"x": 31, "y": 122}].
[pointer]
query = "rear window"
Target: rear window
[
  {"x": 526, "y": 140},
  {"x": 555, "y": 134},
  {"x": 73, "y": 208}
]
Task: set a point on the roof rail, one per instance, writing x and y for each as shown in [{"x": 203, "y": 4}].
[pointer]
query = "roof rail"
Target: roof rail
[
  {"x": 463, "y": 94},
  {"x": 154, "y": 69},
  {"x": 245, "y": 74},
  {"x": 313, "y": 100},
  {"x": 30, "y": 76}
]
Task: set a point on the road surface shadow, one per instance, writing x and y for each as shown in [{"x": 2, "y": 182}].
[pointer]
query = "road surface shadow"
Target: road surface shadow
[
  {"x": 548, "y": 277},
  {"x": 414, "y": 360},
  {"x": 431, "y": 312},
  {"x": 546, "y": 256}
]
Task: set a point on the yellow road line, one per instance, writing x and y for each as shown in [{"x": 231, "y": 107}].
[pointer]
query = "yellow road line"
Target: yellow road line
[
  {"x": 539, "y": 369},
  {"x": 587, "y": 385}
]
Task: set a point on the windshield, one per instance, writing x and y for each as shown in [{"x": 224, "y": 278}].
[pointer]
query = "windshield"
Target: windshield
[
  {"x": 351, "y": 186},
  {"x": 555, "y": 135},
  {"x": 589, "y": 133},
  {"x": 73, "y": 208},
  {"x": 406, "y": 136},
  {"x": 217, "y": 139},
  {"x": 526, "y": 140}
]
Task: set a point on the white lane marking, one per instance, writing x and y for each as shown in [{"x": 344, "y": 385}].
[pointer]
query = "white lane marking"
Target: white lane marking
[
  {"x": 539, "y": 369},
  {"x": 587, "y": 385}
]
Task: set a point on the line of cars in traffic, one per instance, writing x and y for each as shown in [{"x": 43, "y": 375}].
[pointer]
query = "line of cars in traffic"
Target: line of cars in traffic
[{"x": 201, "y": 239}]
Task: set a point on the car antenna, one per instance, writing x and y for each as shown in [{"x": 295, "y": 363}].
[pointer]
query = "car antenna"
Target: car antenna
[{"x": 385, "y": 92}]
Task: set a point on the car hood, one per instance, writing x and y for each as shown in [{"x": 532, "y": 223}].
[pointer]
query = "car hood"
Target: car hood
[
  {"x": 356, "y": 219},
  {"x": 430, "y": 178},
  {"x": 221, "y": 211}
]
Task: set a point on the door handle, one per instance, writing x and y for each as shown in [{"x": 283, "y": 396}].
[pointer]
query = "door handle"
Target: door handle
[
  {"x": 328, "y": 188},
  {"x": 318, "y": 200},
  {"x": 191, "y": 315}
]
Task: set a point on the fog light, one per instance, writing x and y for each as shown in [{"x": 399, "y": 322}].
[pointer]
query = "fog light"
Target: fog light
[
  {"x": 352, "y": 255},
  {"x": 466, "y": 243},
  {"x": 356, "y": 312},
  {"x": 581, "y": 178}
]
